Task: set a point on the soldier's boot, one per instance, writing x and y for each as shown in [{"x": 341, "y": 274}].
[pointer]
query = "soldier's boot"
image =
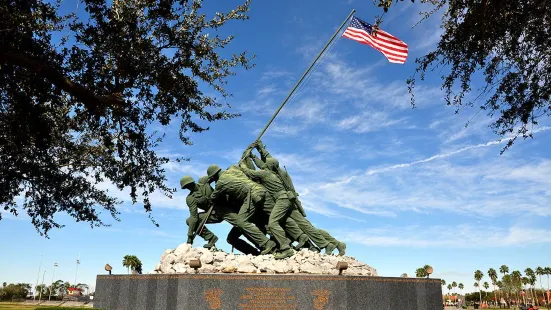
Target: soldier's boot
[
  {"x": 211, "y": 244},
  {"x": 313, "y": 248},
  {"x": 284, "y": 254},
  {"x": 330, "y": 248},
  {"x": 342, "y": 248},
  {"x": 245, "y": 248},
  {"x": 269, "y": 247},
  {"x": 302, "y": 240}
]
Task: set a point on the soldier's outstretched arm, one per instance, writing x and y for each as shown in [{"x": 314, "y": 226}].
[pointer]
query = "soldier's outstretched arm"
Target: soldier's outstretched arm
[
  {"x": 250, "y": 173},
  {"x": 248, "y": 151},
  {"x": 248, "y": 162},
  {"x": 258, "y": 162},
  {"x": 262, "y": 150}
]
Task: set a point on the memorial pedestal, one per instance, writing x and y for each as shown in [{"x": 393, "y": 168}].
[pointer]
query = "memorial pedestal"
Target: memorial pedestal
[{"x": 265, "y": 291}]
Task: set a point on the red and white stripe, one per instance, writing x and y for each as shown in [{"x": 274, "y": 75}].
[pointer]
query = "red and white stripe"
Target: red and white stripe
[{"x": 394, "y": 49}]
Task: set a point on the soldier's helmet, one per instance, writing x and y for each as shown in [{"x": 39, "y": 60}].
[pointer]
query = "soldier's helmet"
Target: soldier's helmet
[
  {"x": 213, "y": 170},
  {"x": 272, "y": 163},
  {"x": 185, "y": 181},
  {"x": 203, "y": 180}
]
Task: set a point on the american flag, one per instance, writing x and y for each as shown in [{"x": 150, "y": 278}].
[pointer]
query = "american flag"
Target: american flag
[{"x": 394, "y": 49}]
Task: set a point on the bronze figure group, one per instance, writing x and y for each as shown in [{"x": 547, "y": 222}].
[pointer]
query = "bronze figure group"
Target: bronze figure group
[{"x": 258, "y": 198}]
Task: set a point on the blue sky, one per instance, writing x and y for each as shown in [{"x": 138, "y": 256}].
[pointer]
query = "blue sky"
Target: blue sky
[{"x": 403, "y": 187}]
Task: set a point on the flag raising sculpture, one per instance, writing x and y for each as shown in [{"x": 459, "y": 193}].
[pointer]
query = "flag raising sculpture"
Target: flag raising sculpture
[
  {"x": 244, "y": 179},
  {"x": 394, "y": 49}
]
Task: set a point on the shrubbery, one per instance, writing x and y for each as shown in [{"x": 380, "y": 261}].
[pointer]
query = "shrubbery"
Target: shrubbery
[{"x": 14, "y": 291}]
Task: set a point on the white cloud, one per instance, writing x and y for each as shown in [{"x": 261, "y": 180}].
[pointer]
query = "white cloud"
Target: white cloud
[
  {"x": 360, "y": 85},
  {"x": 284, "y": 130},
  {"x": 144, "y": 232},
  {"x": 308, "y": 110},
  {"x": 429, "y": 159},
  {"x": 184, "y": 168},
  {"x": 21, "y": 215},
  {"x": 461, "y": 236},
  {"x": 428, "y": 40},
  {"x": 267, "y": 90},
  {"x": 270, "y": 74},
  {"x": 474, "y": 185},
  {"x": 310, "y": 48},
  {"x": 328, "y": 145},
  {"x": 368, "y": 121}
]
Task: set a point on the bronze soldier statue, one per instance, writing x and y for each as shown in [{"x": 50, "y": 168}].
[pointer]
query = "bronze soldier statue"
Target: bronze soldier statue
[
  {"x": 235, "y": 185},
  {"x": 198, "y": 198},
  {"x": 255, "y": 202},
  {"x": 297, "y": 214},
  {"x": 284, "y": 203}
]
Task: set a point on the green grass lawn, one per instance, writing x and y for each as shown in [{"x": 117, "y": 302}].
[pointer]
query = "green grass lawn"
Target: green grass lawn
[
  {"x": 15, "y": 305},
  {"x": 495, "y": 308}
]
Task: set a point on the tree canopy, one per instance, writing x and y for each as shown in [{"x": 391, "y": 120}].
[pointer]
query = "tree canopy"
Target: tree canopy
[
  {"x": 420, "y": 272},
  {"x": 14, "y": 291},
  {"x": 81, "y": 92},
  {"x": 132, "y": 262},
  {"x": 504, "y": 43},
  {"x": 59, "y": 288},
  {"x": 423, "y": 272}
]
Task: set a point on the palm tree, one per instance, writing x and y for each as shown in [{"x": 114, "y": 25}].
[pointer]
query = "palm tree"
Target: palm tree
[
  {"x": 461, "y": 287},
  {"x": 478, "y": 276},
  {"x": 127, "y": 262},
  {"x": 420, "y": 272},
  {"x": 540, "y": 272},
  {"x": 449, "y": 290},
  {"x": 443, "y": 282},
  {"x": 531, "y": 280},
  {"x": 454, "y": 285},
  {"x": 493, "y": 276},
  {"x": 525, "y": 281},
  {"x": 476, "y": 285},
  {"x": 427, "y": 269},
  {"x": 532, "y": 283},
  {"x": 504, "y": 269},
  {"x": 486, "y": 286},
  {"x": 132, "y": 262},
  {"x": 499, "y": 285},
  {"x": 517, "y": 280},
  {"x": 547, "y": 271}
]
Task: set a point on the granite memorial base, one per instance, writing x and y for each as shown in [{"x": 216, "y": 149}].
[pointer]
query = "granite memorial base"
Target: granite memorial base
[{"x": 264, "y": 291}]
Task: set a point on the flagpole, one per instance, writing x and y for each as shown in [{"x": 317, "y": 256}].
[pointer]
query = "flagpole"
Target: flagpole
[
  {"x": 304, "y": 75},
  {"x": 287, "y": 99}
]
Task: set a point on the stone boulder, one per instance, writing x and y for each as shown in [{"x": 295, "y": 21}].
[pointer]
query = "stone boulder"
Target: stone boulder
[{"x": 304, "y": 261}]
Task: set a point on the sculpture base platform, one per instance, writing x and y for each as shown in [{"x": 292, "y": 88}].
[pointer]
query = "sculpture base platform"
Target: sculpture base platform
[{"x": 265, "y": 291}]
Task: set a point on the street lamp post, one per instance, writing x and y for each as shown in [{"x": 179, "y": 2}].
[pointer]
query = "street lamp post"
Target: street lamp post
[
  {"x": 38, "y": 276},
  {"x": 42, "y": 286},
  {"x": 50, "y": 297},
  {"x": 76, "y": 273}
]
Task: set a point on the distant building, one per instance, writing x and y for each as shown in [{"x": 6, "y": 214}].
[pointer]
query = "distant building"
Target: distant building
[{"x": 75, "y": 291}]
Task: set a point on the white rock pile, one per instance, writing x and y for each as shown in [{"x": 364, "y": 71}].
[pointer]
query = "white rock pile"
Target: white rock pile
[{"x": 304, "y": 261}]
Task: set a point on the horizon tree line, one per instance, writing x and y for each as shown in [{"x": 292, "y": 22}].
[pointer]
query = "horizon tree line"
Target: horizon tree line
[
  {"x": 58, "y": 290},
  {"x": 511, "y": 286}
]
